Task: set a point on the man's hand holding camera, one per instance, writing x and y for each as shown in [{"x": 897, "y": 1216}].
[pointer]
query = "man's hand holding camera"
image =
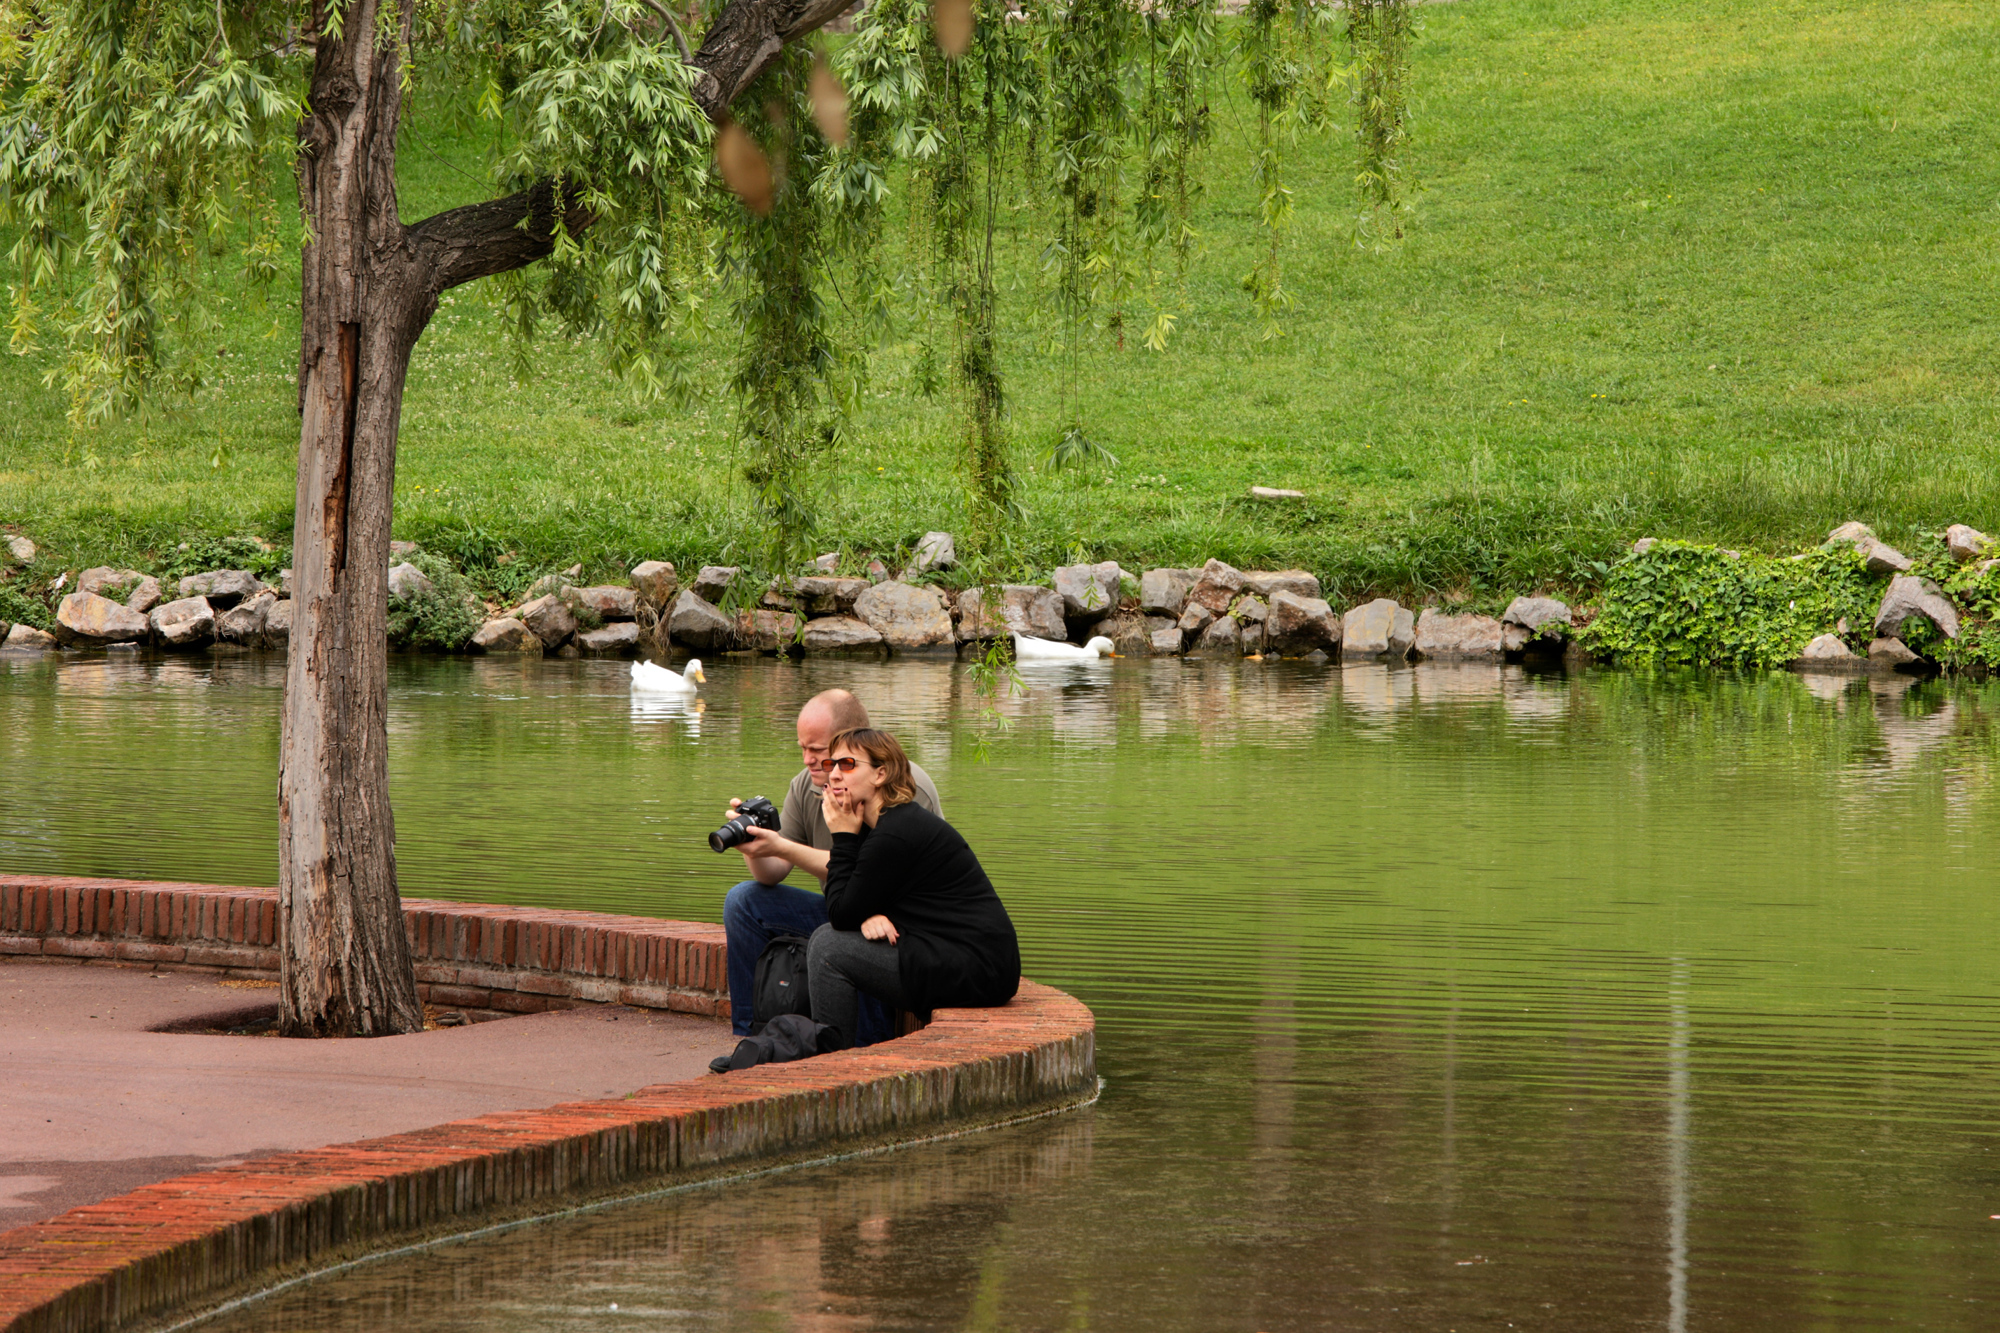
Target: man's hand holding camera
[
  {"x": 752, "y": 828},
  {"x": 749, "y": 828}
]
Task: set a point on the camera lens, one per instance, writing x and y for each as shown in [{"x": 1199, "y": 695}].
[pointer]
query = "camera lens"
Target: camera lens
[{"x": 757, "y": 812}]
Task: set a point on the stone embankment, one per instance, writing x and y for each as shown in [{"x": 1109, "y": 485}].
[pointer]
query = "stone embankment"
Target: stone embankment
[
  {"x": 172, "y": 1249},
  {"x": 1215, "y": 611}
]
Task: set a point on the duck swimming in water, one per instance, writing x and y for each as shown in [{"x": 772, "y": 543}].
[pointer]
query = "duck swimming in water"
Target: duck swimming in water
[
  {"x": 650, "y": 679},
  {"x": 1048, "y": 650}
]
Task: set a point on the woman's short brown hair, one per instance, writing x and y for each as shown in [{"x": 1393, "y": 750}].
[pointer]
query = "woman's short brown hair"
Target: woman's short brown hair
[{"x": 883, "y": 751}]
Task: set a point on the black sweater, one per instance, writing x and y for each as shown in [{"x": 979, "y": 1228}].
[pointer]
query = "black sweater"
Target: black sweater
[{"x": 955, "y": 944}]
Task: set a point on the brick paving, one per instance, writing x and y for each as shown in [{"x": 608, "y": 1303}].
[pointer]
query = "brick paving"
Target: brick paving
[{"x": 95, "y": 1104}]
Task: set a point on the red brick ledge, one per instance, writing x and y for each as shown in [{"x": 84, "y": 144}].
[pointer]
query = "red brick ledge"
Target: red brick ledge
[
  {"x": 477, "y": 957},
  {"x": 188, "y": 1244}
]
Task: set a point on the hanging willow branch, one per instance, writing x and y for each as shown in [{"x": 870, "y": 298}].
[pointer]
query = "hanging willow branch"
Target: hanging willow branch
[
  {"x": 957, "y": 120},
  {"x": 791, "y": 383},
  {"x": 992, "y": 94},
  {"x": 1174, "y": 126},
  {"x": 1285, "y": 69},
  {"x": 1087, "y": 120},
  {"x": 1380, "y": 32}
]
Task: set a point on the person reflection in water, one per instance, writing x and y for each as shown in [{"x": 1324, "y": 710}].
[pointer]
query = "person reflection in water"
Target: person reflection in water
[{"x": 911, "y": 917}]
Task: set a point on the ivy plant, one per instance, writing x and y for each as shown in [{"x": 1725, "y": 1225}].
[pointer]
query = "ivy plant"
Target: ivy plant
[
  {"x": 1975, "y": 589},
  {"x": 1682, "y": 602}
]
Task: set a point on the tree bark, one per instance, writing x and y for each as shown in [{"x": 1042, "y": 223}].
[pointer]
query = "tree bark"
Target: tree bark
[
  {"x": 368, "y": 287},
  {"x": 746, "y": 37},
  {"x": 344, "y": 962}
]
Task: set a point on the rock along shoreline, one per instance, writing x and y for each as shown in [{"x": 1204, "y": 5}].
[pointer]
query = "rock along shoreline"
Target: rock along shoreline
[{"x": 1215, "y": 611}]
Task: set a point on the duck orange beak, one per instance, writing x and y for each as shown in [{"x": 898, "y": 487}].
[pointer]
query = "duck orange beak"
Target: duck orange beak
[{"x": 701, "y": 677}]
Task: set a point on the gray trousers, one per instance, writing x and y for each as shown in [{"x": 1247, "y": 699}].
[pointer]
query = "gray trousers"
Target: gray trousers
[{"x": 842, "y": 964}]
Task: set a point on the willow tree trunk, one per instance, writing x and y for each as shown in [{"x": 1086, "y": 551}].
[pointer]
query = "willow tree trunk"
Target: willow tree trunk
[
  {"x": 344, "y": 962},
  {"x": 368, "y": 287}
]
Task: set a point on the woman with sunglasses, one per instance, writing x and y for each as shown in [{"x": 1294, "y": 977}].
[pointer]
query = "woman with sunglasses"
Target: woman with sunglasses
[{"x": 911, "y": 917}]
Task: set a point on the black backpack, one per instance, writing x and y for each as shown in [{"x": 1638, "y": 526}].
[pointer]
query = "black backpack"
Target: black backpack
[{"x": 780, "y": 987}]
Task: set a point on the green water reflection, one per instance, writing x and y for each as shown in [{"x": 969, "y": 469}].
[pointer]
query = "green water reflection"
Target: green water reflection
[{"x": 1428, "y": 999}]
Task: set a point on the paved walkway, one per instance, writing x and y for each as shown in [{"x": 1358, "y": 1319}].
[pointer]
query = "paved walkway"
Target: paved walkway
[{"x": 93, "y": 1103}]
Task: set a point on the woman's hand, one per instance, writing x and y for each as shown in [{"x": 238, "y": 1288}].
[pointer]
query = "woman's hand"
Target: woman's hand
[
  {"x": 843, "y": 812},
  {"x": 879, "y": 927}
]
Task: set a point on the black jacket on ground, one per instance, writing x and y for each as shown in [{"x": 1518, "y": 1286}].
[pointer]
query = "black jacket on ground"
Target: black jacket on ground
[{"x": 955, "y": 944}]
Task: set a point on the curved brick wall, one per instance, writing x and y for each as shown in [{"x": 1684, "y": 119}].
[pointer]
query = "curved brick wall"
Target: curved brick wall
[
  {"x": 185, "y": 1244},
  {"x": 471, "y": 956}
]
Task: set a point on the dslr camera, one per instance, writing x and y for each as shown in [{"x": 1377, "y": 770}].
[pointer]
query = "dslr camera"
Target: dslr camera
[{"x": 757, "y": 812}]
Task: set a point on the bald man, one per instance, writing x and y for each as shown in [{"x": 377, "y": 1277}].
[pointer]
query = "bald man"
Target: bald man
[{"x": 764, "y": 905}]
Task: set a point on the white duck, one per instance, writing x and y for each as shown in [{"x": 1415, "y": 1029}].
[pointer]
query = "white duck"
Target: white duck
[
  {"x": 650, "y": 679},
  {"x": 1048, "y": 650}
]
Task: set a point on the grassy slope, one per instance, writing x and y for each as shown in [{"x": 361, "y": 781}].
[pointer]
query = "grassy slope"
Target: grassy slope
[{"x": 1720, "y": 273}]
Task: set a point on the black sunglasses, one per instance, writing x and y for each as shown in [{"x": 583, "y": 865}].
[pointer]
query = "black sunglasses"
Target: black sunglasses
[{"x": 845, "y": 764}]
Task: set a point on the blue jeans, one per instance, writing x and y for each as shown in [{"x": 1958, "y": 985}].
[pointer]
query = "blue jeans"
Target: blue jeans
[{"x": 751, "y": 915}]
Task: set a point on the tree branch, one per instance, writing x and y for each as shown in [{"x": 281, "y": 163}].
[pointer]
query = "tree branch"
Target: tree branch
[
  {"x": 746, "y": 38},
  {"x": 481, "y": 240},
  {"x": 674, "y": 26}
]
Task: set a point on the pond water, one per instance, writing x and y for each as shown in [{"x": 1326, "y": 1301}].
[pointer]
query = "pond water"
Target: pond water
[{"x": 1432, "y": 999}]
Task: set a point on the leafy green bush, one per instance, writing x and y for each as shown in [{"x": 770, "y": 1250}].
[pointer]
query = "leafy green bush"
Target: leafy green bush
[
  {"x": 1975, "y": 589},
  {"x": 17, "y": 608},
  {"x": 1679, "y": 602},
  {"x": 442, "y": 619}
]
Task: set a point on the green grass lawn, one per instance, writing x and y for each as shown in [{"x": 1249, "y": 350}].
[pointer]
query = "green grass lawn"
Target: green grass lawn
[{"x": 1719, "y": 273}]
